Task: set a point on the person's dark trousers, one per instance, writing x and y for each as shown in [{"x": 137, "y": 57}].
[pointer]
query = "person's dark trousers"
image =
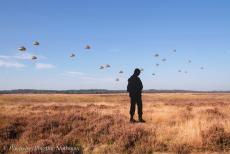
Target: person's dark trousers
[{"x": 136, "y": 100}]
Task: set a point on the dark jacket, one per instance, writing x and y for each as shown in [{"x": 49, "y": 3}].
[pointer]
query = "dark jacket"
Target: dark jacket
[{"x": 134, "y": 86}]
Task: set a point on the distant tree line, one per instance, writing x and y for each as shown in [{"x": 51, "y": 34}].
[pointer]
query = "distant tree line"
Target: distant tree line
[{"x": 97, "y": 91}]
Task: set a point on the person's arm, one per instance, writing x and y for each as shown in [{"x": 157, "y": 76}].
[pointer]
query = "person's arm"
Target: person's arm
[
  {"x": 141, "y": 85},
  {"x": 128, "y": 87}
]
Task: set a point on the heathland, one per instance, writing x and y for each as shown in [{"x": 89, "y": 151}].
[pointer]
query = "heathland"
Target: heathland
[{"x": 99, "y": 123}]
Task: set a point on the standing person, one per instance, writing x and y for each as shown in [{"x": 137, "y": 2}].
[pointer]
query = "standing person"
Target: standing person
[{"x": 135, "y": 89}]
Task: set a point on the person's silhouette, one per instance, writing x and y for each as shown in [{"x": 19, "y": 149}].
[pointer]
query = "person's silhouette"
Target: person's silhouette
[{"x": 135, "y": 89}]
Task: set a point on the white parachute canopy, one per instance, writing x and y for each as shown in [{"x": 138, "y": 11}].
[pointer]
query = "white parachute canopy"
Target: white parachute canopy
[
  {"x": 34, "y": 58},
  {"x": 101, "y": 67},
  {"x": 72, "y": 55},
  {"x": 36, "y": 43},
  {"x": 87, "y": 47},
  {"x": 107, "y": 65},
  {"x": 156, "y": 55},
  {"x": 22, "y": 48},
  {"x": 104, "y": 66}
]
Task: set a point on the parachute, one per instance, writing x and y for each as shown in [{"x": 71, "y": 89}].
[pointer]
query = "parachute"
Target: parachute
[
  {"x": 164, "y": 59},
  {"x": 34, "y": 58},
  {"x": 101, "y": 67},
  {"x": 72, "y": 55},
  {"x": 104, "y": 66},
  {"x": 87, "y": 47},
  {"x": 22, "y": 48},
  {"x": 107, "y": 66},
  {"x": 36, "y": 43}
]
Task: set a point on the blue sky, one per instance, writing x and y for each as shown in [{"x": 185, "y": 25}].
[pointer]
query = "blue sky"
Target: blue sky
[{"x": 125, "y": 34}]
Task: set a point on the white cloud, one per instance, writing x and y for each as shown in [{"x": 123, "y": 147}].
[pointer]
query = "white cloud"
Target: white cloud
[
  {"x": 96, "y": 79},
  {"x": 10, "y": 64},
  {"x": 4, "y": 57},
  {"x": 85, "y": 77},
  {"x": 74, "y": 73},
  {"x": 27, "y": 56},
  {"x": 22, "y": 56},
  {"x": 44, "y": 66}
]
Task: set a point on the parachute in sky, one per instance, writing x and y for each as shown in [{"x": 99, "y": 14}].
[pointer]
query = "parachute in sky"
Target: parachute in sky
[
  {"x": 72, "y": 55},
  {"x": 22, "y": 48},
  {"x": 87, "y": 47},
  {"x": 36, "y": 43},
  {"x": 34, "y": 58},
  {"x": 107, "y": 66}
]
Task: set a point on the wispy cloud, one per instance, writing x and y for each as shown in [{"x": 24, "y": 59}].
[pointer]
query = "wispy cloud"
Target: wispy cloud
[
  {"x": 10, "y": 64},
  {"x": 44, "y": 66},
  {"x": 27, "y": 56},
  {"x": 4, "y": 57},
  {"x": 74, "y": 73},
  {"x": 86, "y": 77},
  {"x": 22, "y": 56},
  {"x": 96, "y": 79}
]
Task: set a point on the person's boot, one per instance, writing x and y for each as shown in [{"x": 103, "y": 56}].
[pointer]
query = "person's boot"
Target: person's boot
[
  {"x": 132, "y": 120},
  {"x": 141, "y": 120}
]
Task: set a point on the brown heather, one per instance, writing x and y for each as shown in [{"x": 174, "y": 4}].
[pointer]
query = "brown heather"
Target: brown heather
[{"x": 176, "y": 123}]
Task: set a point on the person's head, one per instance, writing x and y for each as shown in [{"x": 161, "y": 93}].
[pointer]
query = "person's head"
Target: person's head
[{"x": 137, "y": 72}]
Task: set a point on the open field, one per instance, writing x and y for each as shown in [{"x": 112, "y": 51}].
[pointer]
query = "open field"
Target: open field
[{"x": 176, "y": 123}]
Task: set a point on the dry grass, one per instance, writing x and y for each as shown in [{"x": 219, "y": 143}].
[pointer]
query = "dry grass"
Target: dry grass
[{"x": 176, "y": 123}]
